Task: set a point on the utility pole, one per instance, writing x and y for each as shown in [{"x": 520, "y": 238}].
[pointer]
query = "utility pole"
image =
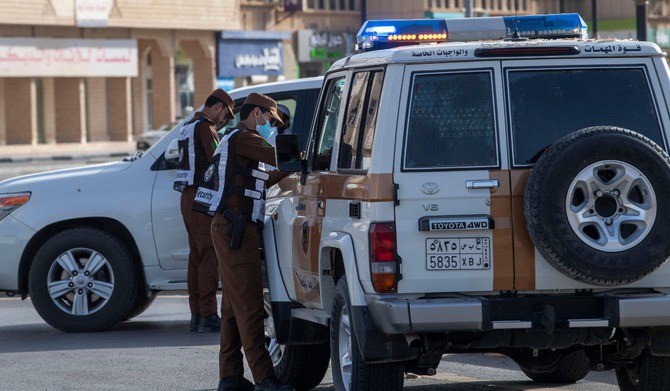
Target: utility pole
[
  {"x": 364, "y": 11},
  {"x": 594, "y": 13},
  {"x": 468, "y": 8},
  {"x": 641, "y": 19}
]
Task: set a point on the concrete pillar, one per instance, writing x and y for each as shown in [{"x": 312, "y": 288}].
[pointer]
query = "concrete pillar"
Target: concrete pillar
[
  {"x": 49, "y": 110},
  {"x": 120, "y": 108},
  {"x": 96, "y": 106},
  {"x": 3, "y": 118},
  {"x": 138, "y": 88},
  {"x": 163, "y": 86},
  {"x": 204, "y": 72},
  {"x": 138, "y": 105},
  {"x": 70, "y": 110},
  {"x": 20, "y": 110}
]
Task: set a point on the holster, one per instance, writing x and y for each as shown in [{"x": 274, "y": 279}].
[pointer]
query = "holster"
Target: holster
[{"x": 236, "y": 231}]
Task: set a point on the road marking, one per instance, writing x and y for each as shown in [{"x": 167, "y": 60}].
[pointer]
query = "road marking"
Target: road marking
[{"x": 455, "y": 378}]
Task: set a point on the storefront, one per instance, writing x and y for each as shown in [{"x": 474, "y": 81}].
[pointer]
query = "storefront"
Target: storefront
[
  {"x": 59, "y": 88},
  {"x": 250, "y": 57},
  {"x": 317, "y": 50}
]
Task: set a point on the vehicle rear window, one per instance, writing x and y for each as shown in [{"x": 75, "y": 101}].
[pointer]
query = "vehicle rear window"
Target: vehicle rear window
[
  {"x": 451, "y": 122},
  {"x": 548, "y": 104}
]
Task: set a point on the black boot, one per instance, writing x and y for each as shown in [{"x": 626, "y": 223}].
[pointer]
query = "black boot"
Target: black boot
[
  {"x": 210, "y": 324},
  {"x": 272, "y": 384},
  {"x": 235, "y": 383},
  {"x": 195, "y": 322}
]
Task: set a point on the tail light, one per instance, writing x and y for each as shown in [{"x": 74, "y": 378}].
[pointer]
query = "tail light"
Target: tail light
[{"x": 383, "y": 257}]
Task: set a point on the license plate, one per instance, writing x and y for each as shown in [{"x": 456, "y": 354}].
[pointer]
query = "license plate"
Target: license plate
[{"x": 458, "y": 253}]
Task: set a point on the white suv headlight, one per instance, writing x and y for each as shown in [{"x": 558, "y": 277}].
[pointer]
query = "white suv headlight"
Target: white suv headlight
[{"x": 11, "y": 201}]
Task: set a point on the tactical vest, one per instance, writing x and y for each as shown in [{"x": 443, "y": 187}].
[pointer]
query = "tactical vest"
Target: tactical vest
[
  {"x": 187, "y": 174},
  {"x": 219, "y": 182}
]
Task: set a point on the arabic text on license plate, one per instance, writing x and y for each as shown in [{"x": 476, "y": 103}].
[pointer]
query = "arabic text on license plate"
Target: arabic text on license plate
[{"x": 458, "y": 253}]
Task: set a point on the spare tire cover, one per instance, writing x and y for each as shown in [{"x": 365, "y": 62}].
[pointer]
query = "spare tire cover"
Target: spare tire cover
[{"x": 594, "y": 205}]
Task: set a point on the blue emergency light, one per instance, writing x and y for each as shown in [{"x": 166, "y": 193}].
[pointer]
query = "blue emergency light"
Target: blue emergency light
[{"x": 382, "y": 34}]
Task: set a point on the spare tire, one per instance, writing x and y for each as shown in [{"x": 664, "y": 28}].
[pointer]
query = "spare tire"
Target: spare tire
[{"x": 592, "y": 205}]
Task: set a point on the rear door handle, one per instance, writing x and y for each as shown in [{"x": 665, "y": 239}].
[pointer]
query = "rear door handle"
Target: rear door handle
[{"x": 482, "y": 184}]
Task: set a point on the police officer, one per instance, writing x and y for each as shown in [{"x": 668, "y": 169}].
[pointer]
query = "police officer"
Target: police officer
[
  {"x": 197, "y": 141},
  {"x": 234, "y": 191}
]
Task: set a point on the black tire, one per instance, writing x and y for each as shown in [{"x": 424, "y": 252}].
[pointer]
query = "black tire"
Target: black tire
[
  {"x": 645, "y": 373},
  {"x": 555, "y": 366},
  {"x": 356, "y": 374},
  {"x": 142, "y": 302},
  {"x": 593, "y": 205},
  {"x": 107, "y": 286},
  {"x": 302, "y": 366}
]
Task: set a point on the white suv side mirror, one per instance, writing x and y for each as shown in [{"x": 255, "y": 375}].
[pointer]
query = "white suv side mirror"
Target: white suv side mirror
[{"x": 171, "y": 153}]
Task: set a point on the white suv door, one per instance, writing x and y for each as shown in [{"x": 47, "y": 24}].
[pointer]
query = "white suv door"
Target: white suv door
[{"x": 454, "y": 207}]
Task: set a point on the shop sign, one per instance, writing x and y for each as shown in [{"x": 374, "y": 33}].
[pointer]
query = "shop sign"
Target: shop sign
[
  {"x": 250, "y": 57},
  {"x": 54, "y": 57},
  {"x": 225, "y": 83},
  {"x": 323, "y": 46},
  {"x": 92, "y": 13}
]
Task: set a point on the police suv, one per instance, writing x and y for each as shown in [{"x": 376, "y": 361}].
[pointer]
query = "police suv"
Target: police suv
[{"x": 478, "y": 185}]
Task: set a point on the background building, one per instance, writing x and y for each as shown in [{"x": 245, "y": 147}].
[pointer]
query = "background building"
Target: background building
[{"x": 79, "y": 71}]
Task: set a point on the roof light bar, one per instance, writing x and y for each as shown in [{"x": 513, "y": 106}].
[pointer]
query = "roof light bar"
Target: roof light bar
[{"x": 382, "y": 34}]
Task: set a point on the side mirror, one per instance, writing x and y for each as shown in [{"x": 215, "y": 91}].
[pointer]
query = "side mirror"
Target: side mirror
[
  {"x": 171, "y": 154},
  {"x": 287, "y": 152}
]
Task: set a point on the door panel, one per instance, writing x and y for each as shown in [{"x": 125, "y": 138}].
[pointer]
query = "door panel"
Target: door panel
[{"x": 453, "y": 220}]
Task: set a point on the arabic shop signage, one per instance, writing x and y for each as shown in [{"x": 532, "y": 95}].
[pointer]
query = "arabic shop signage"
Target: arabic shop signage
[
  {"x": 250, "y": 57},
  {"x": 323, "y": 46},
  {"x": 52, "y": 57},
  {"x": 92, "y": 13}
]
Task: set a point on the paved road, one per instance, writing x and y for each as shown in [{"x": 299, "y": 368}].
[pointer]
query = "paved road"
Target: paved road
[{"x": 156, "y": 352}]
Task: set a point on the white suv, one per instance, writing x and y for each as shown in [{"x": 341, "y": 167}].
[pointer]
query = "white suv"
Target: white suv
[
  {"x": 496, "y": 195},
  {"x": 93, "y": 245}
]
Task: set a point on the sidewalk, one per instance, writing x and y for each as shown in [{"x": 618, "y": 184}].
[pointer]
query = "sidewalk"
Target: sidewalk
[{"x": 65, "y": 151}]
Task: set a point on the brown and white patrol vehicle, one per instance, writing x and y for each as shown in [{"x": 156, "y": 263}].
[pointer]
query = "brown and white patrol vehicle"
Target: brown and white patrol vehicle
[{"x": 477, "y": 185}]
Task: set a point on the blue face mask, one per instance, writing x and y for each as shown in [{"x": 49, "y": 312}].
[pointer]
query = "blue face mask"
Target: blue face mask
[{"x": 266, "y": 131}]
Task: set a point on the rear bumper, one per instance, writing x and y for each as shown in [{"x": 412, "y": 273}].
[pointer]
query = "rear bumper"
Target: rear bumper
[{"x": 398, "y": 316}]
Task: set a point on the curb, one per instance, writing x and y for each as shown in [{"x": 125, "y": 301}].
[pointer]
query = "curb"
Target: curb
[{"x": 26, "y": 158}]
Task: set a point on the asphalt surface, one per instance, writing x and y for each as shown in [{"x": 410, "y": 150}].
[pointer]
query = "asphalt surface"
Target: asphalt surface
[{"x": 155, "y": 351}]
